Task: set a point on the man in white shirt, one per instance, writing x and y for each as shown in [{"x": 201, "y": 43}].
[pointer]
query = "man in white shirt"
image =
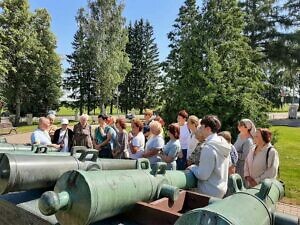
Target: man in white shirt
[
  {"x": 212, "y": 171},
  {"x": 41, "y": 136}
]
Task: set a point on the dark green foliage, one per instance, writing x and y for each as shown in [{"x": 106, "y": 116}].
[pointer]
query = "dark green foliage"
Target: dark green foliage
[
  {"x": 293, "y": 8},
  {"x": 261, "y": 18},
  {"x": 81, "y": 80},
  {"x": 270, "y": 27},
  {"x": 182, "y": 64},
  {"x": 141, "y": 85},
  {"x": 32, "y": 82},
  {"x": 213, "y": 70},
  {"x": 107, "y": 37},
  {"x": 99, "y": 62}
]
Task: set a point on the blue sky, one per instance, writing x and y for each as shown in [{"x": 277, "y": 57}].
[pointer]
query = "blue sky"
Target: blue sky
[{"x": 160, "y": 13}]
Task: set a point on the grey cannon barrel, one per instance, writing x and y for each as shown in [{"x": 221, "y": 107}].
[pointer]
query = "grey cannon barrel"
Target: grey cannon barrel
[
  {"x": 255, "y": 206},
  {"x": 26, "y": 172},
  {"x": 83, "y": 197},
  {"x": 24, "y": 149}
]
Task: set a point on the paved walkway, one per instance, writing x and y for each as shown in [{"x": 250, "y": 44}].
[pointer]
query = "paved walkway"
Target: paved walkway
[
  {"x": 293, "y": 210},
  {"x": 18, "y": 138}
]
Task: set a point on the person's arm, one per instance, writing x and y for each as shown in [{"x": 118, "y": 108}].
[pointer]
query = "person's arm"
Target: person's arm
[
  {"x": 125, "y": 139},
  {"x": 134, "y": 149},
  {"x": 247, "y": 146},
  {"x": 206, "y": 165},
  {"x": 135, "y": 145},
  {"x": 246, "y": 167},
  {"x": 71, "y": 135},
  {"x": 234, "y": 155},
  {"x": 54, "y": 146},
  {"x": 151, "y": 152},
  {"x": 272, "y": 166},
  {"x": 157, "y": 146},
  {"x": 34, "y": 139},
  {"x": 175, "y": 149},
  {"x": 167, "y": 158},
  {"x": 56, "y": 136},
  {"x": 251, "y": 182},
  {"x": 107, "y": 140}
]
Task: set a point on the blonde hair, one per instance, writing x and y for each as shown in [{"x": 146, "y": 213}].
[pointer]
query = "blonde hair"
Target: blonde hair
[
  {"x": 194, "y": 120},
  {"x": 226, "y": 135},
  {"x": 148, "y": 112},
  {"x": 156, "y": 126}
]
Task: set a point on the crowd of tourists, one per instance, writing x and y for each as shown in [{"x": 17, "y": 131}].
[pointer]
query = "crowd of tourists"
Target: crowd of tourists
[{"x": 197, "y": 145}]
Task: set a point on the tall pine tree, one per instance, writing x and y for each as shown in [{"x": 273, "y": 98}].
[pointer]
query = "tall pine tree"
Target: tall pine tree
[
  {"x": 141, "y": 86},
  {"x": 80, "y": 80},
  {"x": 222, "y": 79},
  {"x": 182, "y": 62}
]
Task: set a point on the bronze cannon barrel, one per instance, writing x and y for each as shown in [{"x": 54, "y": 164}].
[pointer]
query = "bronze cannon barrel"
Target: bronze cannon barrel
[
  {"x": 255, "y": 206},
  {"x": 26, "y": 172},
  {"x": 83, "y": 197}
]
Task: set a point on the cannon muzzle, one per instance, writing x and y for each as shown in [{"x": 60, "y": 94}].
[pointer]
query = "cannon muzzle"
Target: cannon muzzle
[{"x": 51, "y": 202}]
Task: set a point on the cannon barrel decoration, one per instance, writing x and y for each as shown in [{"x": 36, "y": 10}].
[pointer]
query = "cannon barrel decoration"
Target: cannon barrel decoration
[
  {"x": 83, "y": 197},
  {"x": 26, "y": 172},
  {"x": 257, "y": 206}
]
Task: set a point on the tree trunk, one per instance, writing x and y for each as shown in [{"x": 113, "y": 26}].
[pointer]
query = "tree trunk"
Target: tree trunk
[
  {"x": 18, "y": 110},
  {"x": 81, "y": 108},
  {"x": 111, "y": 107},
  {"x": 103, "y": 108}
]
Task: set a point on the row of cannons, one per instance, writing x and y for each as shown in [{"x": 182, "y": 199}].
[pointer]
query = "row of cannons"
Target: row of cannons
[{"x": 79, "y": 188}]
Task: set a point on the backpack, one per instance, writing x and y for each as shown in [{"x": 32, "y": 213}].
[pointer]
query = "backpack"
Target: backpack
[{"x": 267, "y": 158}]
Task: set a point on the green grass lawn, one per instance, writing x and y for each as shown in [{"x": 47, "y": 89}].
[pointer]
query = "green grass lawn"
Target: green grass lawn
[
  {"x": 288, "y": 147},
  {"x": 285, "y": 108}
]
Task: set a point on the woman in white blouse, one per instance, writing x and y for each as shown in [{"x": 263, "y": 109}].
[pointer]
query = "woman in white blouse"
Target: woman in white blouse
[
  {"x": 136, "y": 139},
  {"x": 262, "y": 161}
]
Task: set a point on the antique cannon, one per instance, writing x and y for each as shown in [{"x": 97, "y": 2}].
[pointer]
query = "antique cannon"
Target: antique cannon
[
  {"x": 26, "y": 172},
  {"x": 246, "y": 206},
  {"x": 24, "y": 149},
  {"x": 83, "y": 197}
]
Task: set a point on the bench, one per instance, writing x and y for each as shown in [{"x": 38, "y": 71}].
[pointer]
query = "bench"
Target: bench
[{"x": 6, "y": 127}]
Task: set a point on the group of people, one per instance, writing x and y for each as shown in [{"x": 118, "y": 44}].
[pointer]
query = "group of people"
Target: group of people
[
  {"x": 193, "y": 144},
  {"x": 48, "y": 134}
]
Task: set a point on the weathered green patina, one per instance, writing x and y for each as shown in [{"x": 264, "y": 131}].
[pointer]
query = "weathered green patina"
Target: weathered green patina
[
  {"x": 26, "y": 172},
  {"x": 83, "y": 197},
  {"x": 245, "y": 207}
]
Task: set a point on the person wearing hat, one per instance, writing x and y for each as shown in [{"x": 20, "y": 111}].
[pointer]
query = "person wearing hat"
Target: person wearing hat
[
  {"x": 64, "y": 136},
  {"x": 244, "y": 143}
]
